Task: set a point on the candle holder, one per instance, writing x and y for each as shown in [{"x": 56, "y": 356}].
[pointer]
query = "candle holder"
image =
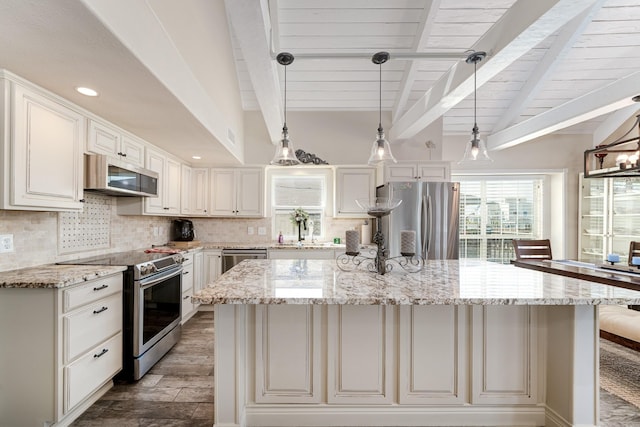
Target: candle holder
[{"x": 378, "y": 260}]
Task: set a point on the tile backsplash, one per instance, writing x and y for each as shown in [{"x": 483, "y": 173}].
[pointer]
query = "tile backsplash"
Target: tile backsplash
[{"x": 49, "y": 237}]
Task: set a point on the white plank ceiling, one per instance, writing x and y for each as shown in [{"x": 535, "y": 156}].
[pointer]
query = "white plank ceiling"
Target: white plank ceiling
[{"x": 541, "y": 55}]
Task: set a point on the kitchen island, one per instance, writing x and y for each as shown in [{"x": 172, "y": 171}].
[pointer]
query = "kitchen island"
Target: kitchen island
[{"x": 302, "y": 343}]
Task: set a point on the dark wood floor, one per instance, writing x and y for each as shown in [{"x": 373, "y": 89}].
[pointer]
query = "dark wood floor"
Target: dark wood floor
[{"x": 178, "y": 391}]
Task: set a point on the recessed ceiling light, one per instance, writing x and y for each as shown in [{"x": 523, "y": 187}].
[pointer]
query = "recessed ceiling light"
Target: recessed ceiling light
[
  {"x": 196, "y": 157},
  {"x": 87, "y": 91}
]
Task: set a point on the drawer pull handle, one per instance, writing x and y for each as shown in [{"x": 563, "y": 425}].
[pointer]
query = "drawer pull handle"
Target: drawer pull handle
[
  {"x": 100, "y": 311},
  {"x": 99, "y": 288},
  {"x": 186, "y": 297},
  {"x": 185, "y": 272},
  {"x": 102, "y": 353}
]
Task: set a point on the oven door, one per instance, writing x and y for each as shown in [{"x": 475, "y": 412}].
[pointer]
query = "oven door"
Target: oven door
[{"x": 157, "y": 308}]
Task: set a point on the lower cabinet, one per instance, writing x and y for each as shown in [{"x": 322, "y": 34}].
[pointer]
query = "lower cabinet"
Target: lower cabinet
[
  {"x": 60, "y": 350},
  {"x": 401, "y": 356},
  {"x": 212, "y": 266},
  {"x": 188, "y": 308}
]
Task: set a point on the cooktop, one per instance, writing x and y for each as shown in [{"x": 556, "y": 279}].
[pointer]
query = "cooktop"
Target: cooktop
[{"x": 128, "y": 258}]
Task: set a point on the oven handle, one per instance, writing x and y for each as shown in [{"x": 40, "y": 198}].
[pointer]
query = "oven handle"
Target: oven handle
[{"x": 160, "y": 277}]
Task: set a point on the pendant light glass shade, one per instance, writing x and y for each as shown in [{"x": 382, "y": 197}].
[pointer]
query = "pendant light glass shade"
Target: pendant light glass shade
[
  {"x": 285, "y": 153},
  {"x": 381, "y": 149},
  {"x": 476, "y": 149}
]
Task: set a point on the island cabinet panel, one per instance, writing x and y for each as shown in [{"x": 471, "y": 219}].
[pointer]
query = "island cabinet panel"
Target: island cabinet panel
[
  {"x": 504, "y": 342},
  {"x": 288, "y": 354},
  {"x": 433, "y": 355},
  {"x": 360, "y": 361}
]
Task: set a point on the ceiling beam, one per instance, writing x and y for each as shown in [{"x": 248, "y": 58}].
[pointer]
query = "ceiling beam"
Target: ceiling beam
[
  {"x": 520, "y": 29},
  {"x": 411, "y": 70},
  {"x": 547, "y": 66},
  {"x": 251, "y": 26},
  {"x": 593, "y": 104}
]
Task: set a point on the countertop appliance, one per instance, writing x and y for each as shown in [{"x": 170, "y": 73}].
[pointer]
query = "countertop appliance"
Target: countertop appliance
[
  {"x": 428, "y": 208},
  {"x": 231, "y": 257},
  {"x": 183, "y": 230},
  {"x": 115, "y": 177},
  {"x": 152, "y": 306}
]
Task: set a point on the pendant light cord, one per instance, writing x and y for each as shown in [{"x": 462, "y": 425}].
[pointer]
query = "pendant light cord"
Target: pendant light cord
[
  {"x": 285, "y": 97},
  {"x": 475, "y": 97},
  {"x": 380, "y": 101}
]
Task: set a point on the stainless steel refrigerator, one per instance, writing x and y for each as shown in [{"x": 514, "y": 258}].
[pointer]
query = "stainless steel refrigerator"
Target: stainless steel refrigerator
[{"x": 428, "y": 208}]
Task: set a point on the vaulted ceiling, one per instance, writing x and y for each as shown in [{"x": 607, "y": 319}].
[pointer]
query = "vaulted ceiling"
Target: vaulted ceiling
[
  {"x": 552, "y": 65},
  {"x": 569, "y": 66}
]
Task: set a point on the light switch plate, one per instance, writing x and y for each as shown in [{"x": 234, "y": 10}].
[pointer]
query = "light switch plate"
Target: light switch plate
[
  {"x": 262, "y": 231},
  {"x": 6, "y": 243}
]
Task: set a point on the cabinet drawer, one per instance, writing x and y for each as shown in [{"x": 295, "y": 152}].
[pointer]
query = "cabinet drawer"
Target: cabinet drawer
[
  {"x": 91, "y": 371},
  {"x": 91, "y": 291},
  {"x": 86, "y": 327}
]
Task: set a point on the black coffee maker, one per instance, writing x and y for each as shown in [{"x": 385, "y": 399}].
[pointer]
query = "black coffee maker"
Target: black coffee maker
[{"x": 183, "y": 230}]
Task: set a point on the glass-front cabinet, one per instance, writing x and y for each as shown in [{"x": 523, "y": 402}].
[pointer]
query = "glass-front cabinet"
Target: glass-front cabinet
[{"x": 609, "y": 217}]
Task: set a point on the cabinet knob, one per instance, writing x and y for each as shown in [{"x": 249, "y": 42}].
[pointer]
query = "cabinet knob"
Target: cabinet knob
[
  {"x": 82, "y": 200},
  {"x": 185, "y": 272},
  {"x": 124, "y": 154},
  {"x": 119, "y": 153},
  {"x": 166, "y": 209},
  {"x": 186, "y": 297}
]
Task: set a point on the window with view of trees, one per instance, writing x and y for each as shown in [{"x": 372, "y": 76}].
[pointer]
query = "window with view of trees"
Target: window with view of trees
[
  {"x": 493, "y": 211},
  {"x": 290, "y": 192}
]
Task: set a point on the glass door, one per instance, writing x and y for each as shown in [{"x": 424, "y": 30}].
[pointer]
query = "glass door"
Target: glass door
[
  {"x": 625, "y": 215},
  {"x": 594, "y": 208}
]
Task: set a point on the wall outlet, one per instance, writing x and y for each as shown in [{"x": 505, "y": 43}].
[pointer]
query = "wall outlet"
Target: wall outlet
[
  {"x": 262, "y": 231},
  {"x": 250, "y": 230},
  {"x": 6, "y": 243}
]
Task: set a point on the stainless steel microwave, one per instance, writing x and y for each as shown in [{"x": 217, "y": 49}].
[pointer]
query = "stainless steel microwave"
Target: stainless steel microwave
[{"x": 117, "y": 178}]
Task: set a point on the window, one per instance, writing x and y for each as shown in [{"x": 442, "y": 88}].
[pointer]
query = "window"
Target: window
[
  {"x": 290, "y": 192},
  {"x": 495, "y": 210}
]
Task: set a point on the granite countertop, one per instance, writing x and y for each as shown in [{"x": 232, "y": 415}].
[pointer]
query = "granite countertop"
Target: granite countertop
[
  {"x": 54, "y": 276},
  {"x": 442, "y": 282}
]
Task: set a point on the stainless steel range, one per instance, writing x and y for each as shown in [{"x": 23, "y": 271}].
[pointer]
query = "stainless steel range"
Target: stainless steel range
[{"x": 151, "y": 306}]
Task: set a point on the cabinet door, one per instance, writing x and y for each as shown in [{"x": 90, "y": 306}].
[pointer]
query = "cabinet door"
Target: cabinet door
[
  {"x": 250, "y": 192},
  {"x": 132, "y": 150},
  {"x": 212, "y": 266},
  {"x": 103, "y": 139},
  {"x": 360, "y": 354},
  {"x": 156, "y": 162},
  {"x": 46, "y": 155},
  {"x": 222, "y": 192},
  {"x": 353, "y": 184},
  {"x": 187, "y": 291},
  {"x": 593, "y": 220},
  {"x": 172, "y": 188},
  {"x": 434, "y": 172},
  {"x": 504, "y": 355},
  {"x": 186, "y": 195},
  {"x": 200, "y": 191},
  {"x": 288, "y": 359},
  {"x": 198, "y": 271},
  {"x": 401, "y": 172}
]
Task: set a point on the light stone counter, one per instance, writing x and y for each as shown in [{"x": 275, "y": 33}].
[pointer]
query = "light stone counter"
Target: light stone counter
[
  {"x": 272, "y": 246},
  {"x": 54, "y": 276},
  {"x": 445, "y": 282}
]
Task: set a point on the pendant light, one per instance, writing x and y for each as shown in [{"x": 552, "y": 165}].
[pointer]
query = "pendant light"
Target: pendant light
[
  {"x": 285, "y": 154},
  {"x": 476, "y": 149},
  {"x": 381, "y": 149}
]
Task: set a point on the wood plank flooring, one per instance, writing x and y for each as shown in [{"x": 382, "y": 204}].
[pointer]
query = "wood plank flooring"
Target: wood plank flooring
[{"x": 178, "y": 391}]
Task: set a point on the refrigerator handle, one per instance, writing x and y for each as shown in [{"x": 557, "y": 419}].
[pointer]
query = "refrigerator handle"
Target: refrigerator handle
[{"x": 426, "y": 229}]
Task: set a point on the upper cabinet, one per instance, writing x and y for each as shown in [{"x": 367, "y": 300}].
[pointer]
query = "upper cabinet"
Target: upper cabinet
[
  {"x": 106, "y": 139},
  {"x": 353, "y": 183},
  {"x": 237, "y": 192},
  {"x": 439, "y": 171},
  {"x": 42, "y": 145}
]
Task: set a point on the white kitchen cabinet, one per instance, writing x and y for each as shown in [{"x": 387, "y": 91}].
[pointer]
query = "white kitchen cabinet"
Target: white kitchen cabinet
[
  {"x": 353, "y": 183},
  {"x": 198, "y": 270},
  {"x": 188, "y": 308},
  {"x": 288, "y": 354},
  {"x": 609, "y": 217},
  {"x": 186, "y": 195},
  {"x": 169, "y": 188},
  {"x": 200, "y": 191},
  {"x": 63, "y": 355},
  {"x": 212, "y": 266},
  {"x": 237, "y": 192},
  {"x": 107, "y": 139},
  {"x": 438, "y": 171},
  {"x": 42, "y": 145}
]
